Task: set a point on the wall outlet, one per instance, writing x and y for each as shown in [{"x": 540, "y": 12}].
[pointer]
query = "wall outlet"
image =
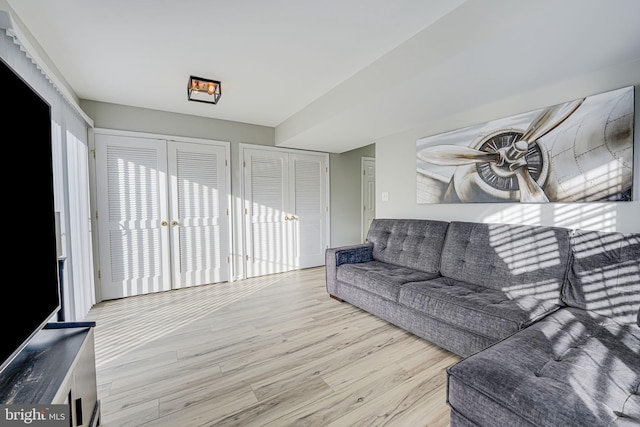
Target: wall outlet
[{"x": 385, "y": 196}]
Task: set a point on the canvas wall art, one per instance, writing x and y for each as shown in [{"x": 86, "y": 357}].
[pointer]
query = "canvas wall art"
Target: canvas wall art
[{"x": 578, "y": 151}]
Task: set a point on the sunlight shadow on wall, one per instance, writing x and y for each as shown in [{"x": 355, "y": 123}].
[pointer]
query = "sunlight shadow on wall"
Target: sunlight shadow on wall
[
  {"x": 528, "y": 214},
  {"x": 584, "y": 216},
  {"x": 592, "y": 216}
]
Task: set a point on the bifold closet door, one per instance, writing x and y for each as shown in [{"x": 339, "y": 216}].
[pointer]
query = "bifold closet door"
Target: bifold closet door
[
  {"x": 163, "y": 219},
  {"x": 286, "y": 210},
  {"x": 308, "y": 209},
  {"x": 266, "y": 178},
  {"x": 132, "y": 216}
]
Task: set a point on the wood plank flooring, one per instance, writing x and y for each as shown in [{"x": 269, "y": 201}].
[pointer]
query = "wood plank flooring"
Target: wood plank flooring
[{"x": 268, "y": 351}]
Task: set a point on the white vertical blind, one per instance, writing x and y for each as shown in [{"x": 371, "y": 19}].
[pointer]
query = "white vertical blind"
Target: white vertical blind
[
  {"x": 80, "y": 266},
  {"x": 69, "y": 127}
]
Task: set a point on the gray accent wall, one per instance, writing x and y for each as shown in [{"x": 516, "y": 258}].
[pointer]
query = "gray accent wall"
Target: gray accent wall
[
  {"x": 346, "y": 206},
  {"x": 121, "y": 117},
  {"x": 396, "y": 163}
]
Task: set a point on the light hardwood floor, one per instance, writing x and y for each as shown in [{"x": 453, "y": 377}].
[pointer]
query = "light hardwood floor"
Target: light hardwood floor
[{"x": 268, "y": 351}]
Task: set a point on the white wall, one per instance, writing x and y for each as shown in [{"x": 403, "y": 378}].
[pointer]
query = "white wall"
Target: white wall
[{"x": 396, "y": 165}]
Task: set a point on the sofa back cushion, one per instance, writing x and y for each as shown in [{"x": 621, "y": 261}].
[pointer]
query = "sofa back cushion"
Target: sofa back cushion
[
  {"x": 520, "y": 260},
  {"x": 412, "y": 243},
  {"x": 604, "y": 274}
]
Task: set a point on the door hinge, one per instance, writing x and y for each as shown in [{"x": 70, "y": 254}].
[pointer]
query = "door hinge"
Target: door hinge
[
  {"x": 244, "y": 164},
  {"x": 227, "y": 211},
  {"x": 247, "y": 257},
  {"x": 326, "y": 169},
  {"x": 96, "y": 214},
  {"x": 245, "y": 211},
  {"x": 99, "y": 274},
  {"x": 94, "y": 152},
  {"x": 225, "y": 162},
  {"x": 228, "y": 260}
]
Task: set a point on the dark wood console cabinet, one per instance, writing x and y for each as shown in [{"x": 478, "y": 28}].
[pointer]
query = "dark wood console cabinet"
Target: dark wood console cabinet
[{"x": 56, "y": 367}]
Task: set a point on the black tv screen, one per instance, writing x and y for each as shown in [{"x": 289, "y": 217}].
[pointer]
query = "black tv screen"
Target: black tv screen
[{"x": 30, "y": 294}]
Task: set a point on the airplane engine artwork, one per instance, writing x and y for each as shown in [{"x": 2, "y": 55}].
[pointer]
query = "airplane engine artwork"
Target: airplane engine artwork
[{"x": 579, "y": 151}]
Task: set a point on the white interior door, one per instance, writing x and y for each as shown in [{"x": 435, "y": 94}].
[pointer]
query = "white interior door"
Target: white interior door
[
  {"x": 266, "y": 179},
  {"x": 308, "y": 211},
  {"x": 368, "y": 194},
  {"x": 199, "y": 213},
  {"x": 132, "y": 212}
]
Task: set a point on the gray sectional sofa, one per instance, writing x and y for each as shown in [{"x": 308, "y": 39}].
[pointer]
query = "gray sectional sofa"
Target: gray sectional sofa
[{"x": 546, "y": 319}]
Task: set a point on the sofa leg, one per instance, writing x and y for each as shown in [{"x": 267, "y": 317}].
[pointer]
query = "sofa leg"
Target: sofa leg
[{"x": 336, "y": 298}]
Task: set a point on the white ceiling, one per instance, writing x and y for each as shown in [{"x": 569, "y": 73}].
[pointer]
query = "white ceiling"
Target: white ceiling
[{"x": 328, "y": 75}]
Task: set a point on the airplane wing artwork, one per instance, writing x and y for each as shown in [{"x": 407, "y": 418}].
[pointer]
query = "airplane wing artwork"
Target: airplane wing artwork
[{"x": 577, "y": 151}]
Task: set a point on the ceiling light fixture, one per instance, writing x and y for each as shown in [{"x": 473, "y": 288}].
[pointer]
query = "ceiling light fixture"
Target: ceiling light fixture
[{"x": 203, "y": 90}]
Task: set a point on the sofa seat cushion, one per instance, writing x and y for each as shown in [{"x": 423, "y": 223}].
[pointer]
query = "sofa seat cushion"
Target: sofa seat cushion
[
  {"x": 572, "y": 368},
  {"x": 485, "y": 311},
  {"x": 380, "y": 278}
]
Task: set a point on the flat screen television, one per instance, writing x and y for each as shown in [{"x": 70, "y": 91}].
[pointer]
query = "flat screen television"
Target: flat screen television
[{"x": 30, "y": 294}]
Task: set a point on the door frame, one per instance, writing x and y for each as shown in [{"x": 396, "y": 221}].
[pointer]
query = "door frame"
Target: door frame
[{"x": 362, "y": 190}]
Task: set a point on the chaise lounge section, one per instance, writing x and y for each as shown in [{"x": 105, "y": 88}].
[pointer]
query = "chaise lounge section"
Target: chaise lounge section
[
  {"x": 545, "y": 318},
  {"x": 579, "y": 366}
]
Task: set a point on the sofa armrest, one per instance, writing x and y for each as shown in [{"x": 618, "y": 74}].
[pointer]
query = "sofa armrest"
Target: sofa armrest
[{"x": 334, "y": 257}]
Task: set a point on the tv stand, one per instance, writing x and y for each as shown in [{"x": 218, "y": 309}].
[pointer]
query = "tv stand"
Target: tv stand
[{"x": 56, "y": 367}]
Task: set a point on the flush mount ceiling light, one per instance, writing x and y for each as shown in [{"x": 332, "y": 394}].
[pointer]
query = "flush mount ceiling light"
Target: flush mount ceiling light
[{"x": 203, "y": 90}]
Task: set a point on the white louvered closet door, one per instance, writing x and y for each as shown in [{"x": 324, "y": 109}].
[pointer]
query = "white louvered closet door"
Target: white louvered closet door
[
  {"x": 198, "y": 214},
  {"x": 309, "y": 209},
  {"x": 163, "y": 219},
  {"x": 132, "y": 205},
  {"x": 266, "y": 178},
  {"x": 286, "y": 210}
]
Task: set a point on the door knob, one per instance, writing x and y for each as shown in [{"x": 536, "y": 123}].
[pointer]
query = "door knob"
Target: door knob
[
  {"x": 286, "y": 218},
  {"x": 163, "y": 223},
  {"x": 174, "y": 223}
]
